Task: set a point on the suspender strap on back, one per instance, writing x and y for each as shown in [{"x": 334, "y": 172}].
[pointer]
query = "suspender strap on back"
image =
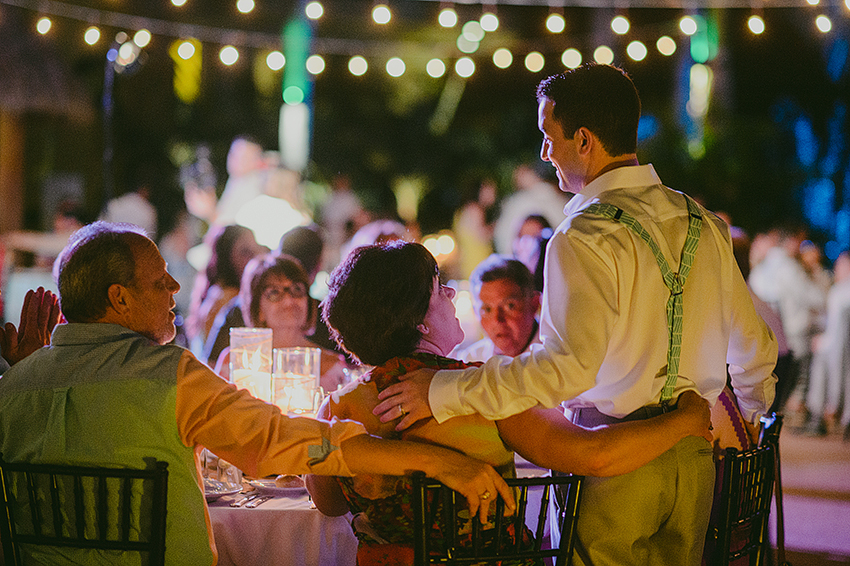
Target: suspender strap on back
[{"x": 675, "y": 281}]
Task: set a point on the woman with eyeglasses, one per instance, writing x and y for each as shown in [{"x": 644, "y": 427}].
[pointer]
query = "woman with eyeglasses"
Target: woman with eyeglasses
[{"x": 274, "y": 294}]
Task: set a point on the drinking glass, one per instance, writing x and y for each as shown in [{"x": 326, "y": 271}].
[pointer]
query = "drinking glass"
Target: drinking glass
[
  {"x": 295, "y": 380},
  {"x": 251, "y": 360}
]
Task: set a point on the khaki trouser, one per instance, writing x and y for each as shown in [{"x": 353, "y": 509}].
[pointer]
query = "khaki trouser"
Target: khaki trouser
[{"x": 655, "y": 515}]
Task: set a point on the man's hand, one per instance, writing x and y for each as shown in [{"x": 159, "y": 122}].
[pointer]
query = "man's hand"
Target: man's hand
[
  {"x": 39, "y": 315},
  {"x": 407, "y": 400},
  {"x": 698, "y": 412}
]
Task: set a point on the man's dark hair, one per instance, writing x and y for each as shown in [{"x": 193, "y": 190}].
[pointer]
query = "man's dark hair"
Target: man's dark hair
[
  {"x": 97, "y": 256},
  {"x": 601, "y": 98},
  {"x": 377, "y": 297},
  {"x": 304, "y": 243},
  {"x": 256, "y": 278},
  {"x": 497, "y": 267}
]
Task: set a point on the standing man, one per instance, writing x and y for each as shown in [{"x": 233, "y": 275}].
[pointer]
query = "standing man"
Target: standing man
[
  {"x": 506, "y": 303},
  {"x": 608, "y": 349}
]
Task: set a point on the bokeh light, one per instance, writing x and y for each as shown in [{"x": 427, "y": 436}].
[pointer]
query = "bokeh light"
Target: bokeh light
[
  {"x": 293, "y": 95},
  {"x": 275, "y": 60},
  {"x": 756, "y": 25},
  {"x": 472, "y": 31},
  {"x": 315, "y": 64},
  {"x": 688, "y": 25},
  {"x": 637, "y": 50},
  {"x": 447, "y": 18},
  {"x": 92, "y": 35},
  {"x": 502, "y": 58},
  {"x": 620, "y": 25},
  {"x": 555, "y": 23},
  {"x": 435, "y": 68},
  {"x": 666, "y": 45},
  {"x": 142, "y": 38},
  {"x": 178, "y": 3},
  {"x": 358, "y": 66},
  {"x": 395, "y": 67},
  {"x": 571, "y": 58},
  {"x": 314, "y": 10},
  {"x": 228, "y": 55},
  {"x": 465, "y": 67},
  {"x": 186, "y": 50},
  {"x": 43, "y": 25},
  {"x": 381, "y": 14},
  {"x": 245, "y": 6},
  {"x": 489, "y": 21},
  {"x": 534, "y": 61},
  {"x": 823, "y": 23},
  {"x": 603, "y": 55},
  {"x": 465, "y": 45}
]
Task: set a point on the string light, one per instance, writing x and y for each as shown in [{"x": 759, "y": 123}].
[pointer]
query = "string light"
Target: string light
[
  {"x": 92, "y": 35},
  {"x": 228, "y": 55},
  {"x": 823, "y": 23},
  {"x": 688, "y": 25},
  {"x": 395, "y": 67},
  {"x": 472, "y": 31},
  {"x": 466, "y": 45},
  {"x": 603, "y": 55},
  {"x": 666, "y": 45},
  {"x": 435, "y": 68},
  {"x": 381, "y": 14},
  {"x": 465, "y": 67},
  {"x": 275, "y": 60},
  {"x": 534, "y": 61},
  {"x": 571, "y": 58},
  {"x": 555, "y": 23},
  {"x": 358, "y": 66},
  {"x": 314, "y": 10},
  {"x": 502, "y": 58},
  {"x": 756, "y": 24},
  {"x": 489, "y": 22},
  {"x": 447, "y": 18},
  {"x": 315, "y": 64},
  {"x": 43, "y": 25},
  {"x": 186, "y": 50},
  {"x": 620, "y": 25},
  {"x": 142, "y": 38},
  {"x": 178, "y": 3},
  {"x": 637, "y": 51},
  {"x": 245, "y": 6}
]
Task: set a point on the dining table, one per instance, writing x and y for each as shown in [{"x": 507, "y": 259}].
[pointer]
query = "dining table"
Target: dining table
[{"x": 286, "y": 530}]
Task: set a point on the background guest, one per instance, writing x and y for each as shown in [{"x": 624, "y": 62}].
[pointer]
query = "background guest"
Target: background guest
[{"x": 506, "y": 302}]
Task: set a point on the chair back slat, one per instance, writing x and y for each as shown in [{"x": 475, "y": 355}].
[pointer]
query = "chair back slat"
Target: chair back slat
[
  {"x": 64, "y": 500},
  {"x": 503, "y": 538}
]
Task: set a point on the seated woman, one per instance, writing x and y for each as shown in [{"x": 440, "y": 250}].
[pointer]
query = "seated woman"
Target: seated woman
[
  {"x": 386, "y": 306},
  {"x": 274, "y": 295}
]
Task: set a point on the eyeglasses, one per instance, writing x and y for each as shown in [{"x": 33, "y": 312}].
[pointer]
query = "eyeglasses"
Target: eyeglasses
[{"x": 275, "y": 294}]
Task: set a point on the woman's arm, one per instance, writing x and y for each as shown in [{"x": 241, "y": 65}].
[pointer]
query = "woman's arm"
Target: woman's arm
[
  {"x": 604, "y": 451},
  {"x": 325, "y": 490}
]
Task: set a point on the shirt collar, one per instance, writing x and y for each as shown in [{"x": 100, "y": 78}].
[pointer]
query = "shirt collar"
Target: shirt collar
[
  {"x": 90, "y": 333},
  {"x": 619, "y": 178}
]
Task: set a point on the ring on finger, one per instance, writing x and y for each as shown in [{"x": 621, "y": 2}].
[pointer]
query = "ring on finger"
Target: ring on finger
[
  {"x": 485, "y": 495},
  {"x": 401, "y": 410}
]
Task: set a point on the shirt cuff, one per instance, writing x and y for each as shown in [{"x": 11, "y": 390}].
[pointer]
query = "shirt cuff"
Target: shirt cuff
[
  {"x": 328, "y": 453},
  {"x": 444, "y": 395}
]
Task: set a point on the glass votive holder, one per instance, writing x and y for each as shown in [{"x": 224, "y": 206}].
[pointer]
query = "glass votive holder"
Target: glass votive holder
[
  {"x": 251, "y": 360},
  {"x": 295, "y": 380}
]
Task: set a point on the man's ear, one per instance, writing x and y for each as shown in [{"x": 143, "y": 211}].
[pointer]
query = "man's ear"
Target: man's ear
[
  {"x": 584, "y": 140},
  {"x": 422, "y": 328},
  {"x": 118, "y": 298}
]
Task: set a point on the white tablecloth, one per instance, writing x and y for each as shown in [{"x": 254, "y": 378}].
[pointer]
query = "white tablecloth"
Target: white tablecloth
[{"x": 284, "y": 531}]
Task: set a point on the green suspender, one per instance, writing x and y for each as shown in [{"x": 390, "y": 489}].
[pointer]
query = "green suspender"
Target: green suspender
[{"x": 674, "y": 281}]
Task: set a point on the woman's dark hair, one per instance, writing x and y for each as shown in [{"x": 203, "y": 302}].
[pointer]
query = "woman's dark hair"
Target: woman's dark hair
[
  {"x": 377, "y": 296},
  {"x": 220, "y": 269},
  {"x": 256, "y": 278},
  {"x": 98, "y": 256}
]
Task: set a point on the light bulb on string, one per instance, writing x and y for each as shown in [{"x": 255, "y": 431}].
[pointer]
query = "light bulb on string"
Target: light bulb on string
[
  {"x": 245, "y": 6},
  {"x": 534, "y": 61},
  {"x": 275, "y": 60},
  {"x": 688, "y": 25},
  {"x": 756, "y": 24},
  {"x": 381, "y": 14},
  {"x": 43, "y": 25},
  {"x": 637, "y": 51},
  {"x": 92, "y": 35},
  {"x": 435, "y": 68},
  {"x": 447, "y": 17},
  {"x": 620, "y": 25},
  {"x": 142, "y": 38},
  {"x": 314, "y": 10},
  {"x": 502, "y": 58},
  {"x": 395, "y": 67},
  {"x": 666, "y": 45},
  {"x": 823, "y": 23},
  {"x": 178, "y": 3},
  {"x": 489, "y": 22},
  {"x": 228, "y": 55},
  {"x": 603, "y": 55},
  {"x": 813, "y": 2},
  {"x": 315, "y": 64},
  {"x": 358, "y": 66},
  {"x": 571, "y": 58},
  {"x": 555, "y": 23},
  {"x": 465, "y": 67}
]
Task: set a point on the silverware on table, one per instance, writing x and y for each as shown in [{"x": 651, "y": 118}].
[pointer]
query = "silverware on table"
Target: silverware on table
[
  {"x": 244, "y": 500},
  {"x": 257, "y": 501}
]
